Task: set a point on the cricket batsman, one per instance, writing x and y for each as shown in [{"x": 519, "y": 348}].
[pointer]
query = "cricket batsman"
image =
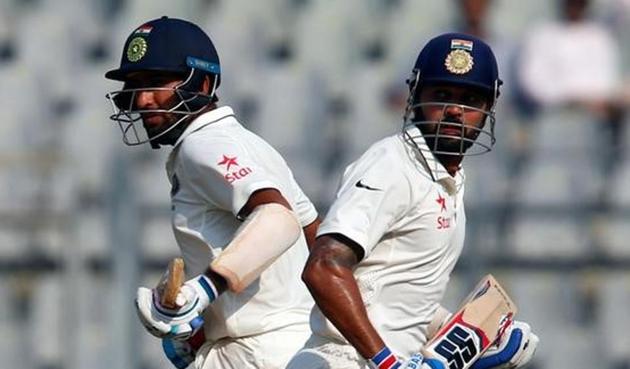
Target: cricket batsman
[
  {"x": 241, "y": 221},
  {"x": 386, "y": 249}
]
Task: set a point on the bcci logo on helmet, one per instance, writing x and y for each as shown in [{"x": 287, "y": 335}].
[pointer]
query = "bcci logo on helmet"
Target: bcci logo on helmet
[
  {"x": 136, "y": 49},
  {"x": 459, "y": 62}
]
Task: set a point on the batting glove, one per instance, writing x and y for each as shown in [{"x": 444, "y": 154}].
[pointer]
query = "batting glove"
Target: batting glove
[
  {"x": 514, "y": 350},
  {"x": 385, "y": 359},
  {"x": 182, "y": 353},
  {"x": 181, "y": 323}
]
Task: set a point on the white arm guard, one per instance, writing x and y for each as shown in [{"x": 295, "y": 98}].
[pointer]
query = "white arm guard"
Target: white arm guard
[
  {"x": 265, "y": 235},
  {"x": 440, "y": 317}
]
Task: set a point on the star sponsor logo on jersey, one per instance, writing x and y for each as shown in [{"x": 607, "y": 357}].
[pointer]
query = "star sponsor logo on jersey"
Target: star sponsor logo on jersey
[
  {"x": 442, "y": 221},
  {"x": 228, "y": 162},
  {"x": 232, "y": 163},
  {"x": 442, "y": 201}
]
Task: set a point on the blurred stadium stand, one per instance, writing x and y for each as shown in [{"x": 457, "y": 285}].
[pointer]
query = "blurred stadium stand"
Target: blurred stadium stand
[{"x": 85, "y": 219}]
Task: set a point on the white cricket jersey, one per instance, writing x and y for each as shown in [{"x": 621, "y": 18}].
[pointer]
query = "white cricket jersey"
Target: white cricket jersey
[
  {"x": 412, "y": 231},
  {"x": 214, "y": 168}
]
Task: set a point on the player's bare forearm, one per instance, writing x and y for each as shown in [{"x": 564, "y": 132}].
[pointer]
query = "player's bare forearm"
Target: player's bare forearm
[{"x": 328, "y": 275}]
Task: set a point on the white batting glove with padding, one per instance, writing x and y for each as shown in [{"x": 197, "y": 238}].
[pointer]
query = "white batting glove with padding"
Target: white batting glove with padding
[
  {"x": 417, "y": 361},
  {"x": 181, "y": 323},
  {"x": 514, "y": 350},
  {"x": 385, "y": 359}
]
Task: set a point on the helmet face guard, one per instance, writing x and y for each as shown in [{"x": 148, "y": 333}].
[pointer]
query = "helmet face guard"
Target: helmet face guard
[
  {"x": 129, "y": 118},
  {"x": 454, "y": 138}
]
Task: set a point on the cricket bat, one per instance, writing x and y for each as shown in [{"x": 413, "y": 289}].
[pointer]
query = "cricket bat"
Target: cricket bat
[
  {"x": 171, "y": 282},
  {"x": 478, "y": 324}
]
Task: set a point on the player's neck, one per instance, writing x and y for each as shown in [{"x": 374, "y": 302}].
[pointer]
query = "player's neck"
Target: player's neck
[
  {"x": 208, "y": 108},
  {"x": 451, "y": 163}
]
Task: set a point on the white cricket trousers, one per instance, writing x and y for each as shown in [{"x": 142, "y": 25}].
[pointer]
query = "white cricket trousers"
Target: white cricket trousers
[
  {"x": 321, "y": 353},
  {"x": 271, "y": 350}
]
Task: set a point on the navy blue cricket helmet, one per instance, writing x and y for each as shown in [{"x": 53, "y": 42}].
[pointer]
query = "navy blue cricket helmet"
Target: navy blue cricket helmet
[
  {"x": 458, "y": 59},
  {"x": 454, "y": 59},
  {"x": 167, "y": 45},
  {"x": 164, "y": 45}
]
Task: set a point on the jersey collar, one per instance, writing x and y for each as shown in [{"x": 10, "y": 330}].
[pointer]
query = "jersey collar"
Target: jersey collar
[
  {"x": 204, "y": 119},
  {"x": 426, "y": 158}
]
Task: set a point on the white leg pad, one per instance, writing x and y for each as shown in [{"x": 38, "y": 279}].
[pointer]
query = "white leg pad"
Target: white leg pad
[{"x": 265, "y": 235}]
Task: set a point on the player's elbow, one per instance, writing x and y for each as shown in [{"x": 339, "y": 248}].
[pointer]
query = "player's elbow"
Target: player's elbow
[
  {"x": 330, "y": 262},
  {"x": 319, "y": 273},
  {"x": 315, "y": 273}
]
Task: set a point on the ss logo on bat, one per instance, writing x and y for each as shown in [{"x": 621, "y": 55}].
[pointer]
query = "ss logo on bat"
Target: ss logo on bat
[{"x": 458, "y": 347}]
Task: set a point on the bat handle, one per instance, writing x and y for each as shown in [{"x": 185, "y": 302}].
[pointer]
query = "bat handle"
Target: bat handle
[{"x": 174, "y": 281}]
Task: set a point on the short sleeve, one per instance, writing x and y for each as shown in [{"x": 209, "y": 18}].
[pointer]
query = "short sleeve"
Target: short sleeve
[
  {"x": 374, "y": 193},
  {"x": 304, "y": 208},
  {"x": 222, "y": 171}
]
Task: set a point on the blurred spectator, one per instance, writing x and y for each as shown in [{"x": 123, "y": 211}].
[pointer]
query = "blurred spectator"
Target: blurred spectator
[
  {"x": 474, "y": 14},
  {"x": 473, "y": 18},
  {"x": 617, "y": 16},
  {"x": 572, "y": 60}
]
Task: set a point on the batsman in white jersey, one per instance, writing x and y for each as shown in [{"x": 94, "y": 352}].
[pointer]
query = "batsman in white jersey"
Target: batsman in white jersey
[
  {"x": 385, "y": 251},
  {"x": 240, "y": 219}
]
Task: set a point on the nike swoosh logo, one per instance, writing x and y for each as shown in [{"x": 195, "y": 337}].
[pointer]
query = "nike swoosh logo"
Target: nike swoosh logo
[{"x": 361, "y": 185}]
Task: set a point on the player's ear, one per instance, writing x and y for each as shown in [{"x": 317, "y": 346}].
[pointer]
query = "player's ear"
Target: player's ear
[{"x": 206, "y": 86}]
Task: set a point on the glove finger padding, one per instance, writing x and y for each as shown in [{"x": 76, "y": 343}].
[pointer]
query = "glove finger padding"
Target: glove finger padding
[
  {"x": 514, "y": 350},
  {"x": 418, "y": 361},
  {"x": 528, "y": 351},
  {"x": 144, "y": 307},
  {"x": 166, "y": 323}
]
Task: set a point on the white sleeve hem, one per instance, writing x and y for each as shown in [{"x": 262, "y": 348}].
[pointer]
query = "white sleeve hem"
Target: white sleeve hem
[
  {"x": 359, "y": 238},
  {"x": 309, "y": 218}
]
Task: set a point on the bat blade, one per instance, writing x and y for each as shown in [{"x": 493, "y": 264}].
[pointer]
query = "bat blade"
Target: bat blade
[
  {"x": 172, "y": 282},
  {"x": 480, "y": 321}
]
